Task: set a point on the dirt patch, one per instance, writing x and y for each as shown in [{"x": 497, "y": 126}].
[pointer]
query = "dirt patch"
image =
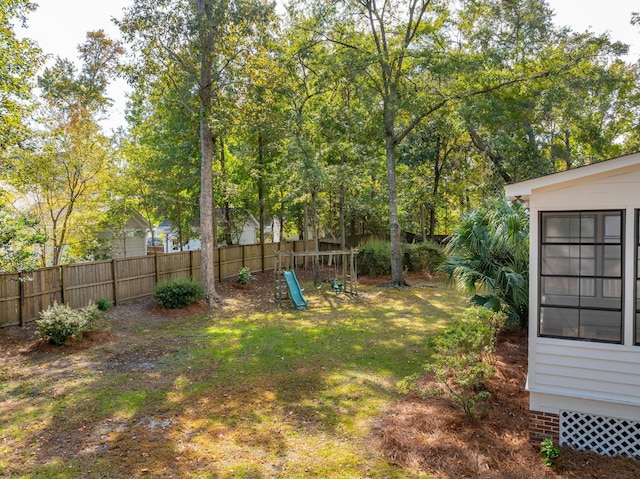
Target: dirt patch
[{"x": 432, "y": 435}]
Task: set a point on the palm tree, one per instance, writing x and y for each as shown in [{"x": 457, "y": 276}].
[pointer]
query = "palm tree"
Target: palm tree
[{"x": 488, "y": 258}]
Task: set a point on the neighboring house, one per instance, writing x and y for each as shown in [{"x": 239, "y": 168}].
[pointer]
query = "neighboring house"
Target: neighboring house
[
  {"x": 584, "y": 320},
  {"x": 127, "y": 242},
  {"x": 244, "y": 229}
]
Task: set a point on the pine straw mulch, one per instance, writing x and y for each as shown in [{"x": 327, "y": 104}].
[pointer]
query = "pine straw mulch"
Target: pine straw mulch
[{"x": 434, "y": 436}]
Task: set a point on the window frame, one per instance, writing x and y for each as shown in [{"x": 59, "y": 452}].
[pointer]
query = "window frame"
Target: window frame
[
  {"x": 597, "y": 279},
  {"x": 636, "y": 291}
]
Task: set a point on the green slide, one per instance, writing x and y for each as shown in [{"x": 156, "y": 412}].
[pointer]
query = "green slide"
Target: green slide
[{"x": 294, "y": 289}]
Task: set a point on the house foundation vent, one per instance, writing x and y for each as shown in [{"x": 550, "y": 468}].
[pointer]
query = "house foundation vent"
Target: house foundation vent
[{"x": 604, "y": 435}]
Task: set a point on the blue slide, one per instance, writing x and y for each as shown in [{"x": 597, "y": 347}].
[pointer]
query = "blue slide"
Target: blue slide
[{"x": 294, "y": 289}]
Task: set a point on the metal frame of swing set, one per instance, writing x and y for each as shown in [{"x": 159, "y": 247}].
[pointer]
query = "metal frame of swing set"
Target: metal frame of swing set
[{"x": 348, "y": 284}]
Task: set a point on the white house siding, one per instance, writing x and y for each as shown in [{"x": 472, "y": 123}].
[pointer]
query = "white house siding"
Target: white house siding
[
  {"x": 248, "y": 235},
  {"x": 589, "y": 377},
  {"x": 136, "y": 246}
]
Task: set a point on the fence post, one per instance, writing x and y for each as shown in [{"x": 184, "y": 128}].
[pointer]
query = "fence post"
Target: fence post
[
  {"x": 191, "y": 264},
  {"x": 219, "y": 264},
  {"x": 63, "y": 295},
  {"x": 22, "y": 299},
  {"x": 114, "y": 273},
  {"x": 157, "y": 266}
]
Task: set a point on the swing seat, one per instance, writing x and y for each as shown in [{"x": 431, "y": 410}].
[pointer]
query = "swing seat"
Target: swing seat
[{"x": 336, "y": 285}]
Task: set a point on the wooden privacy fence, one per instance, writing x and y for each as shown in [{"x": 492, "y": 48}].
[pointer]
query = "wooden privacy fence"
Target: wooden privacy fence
[{"x": 24, "y": 295}]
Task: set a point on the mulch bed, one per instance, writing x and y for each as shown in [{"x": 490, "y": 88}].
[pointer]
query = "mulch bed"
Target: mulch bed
[{"x": 434, "y": 436}]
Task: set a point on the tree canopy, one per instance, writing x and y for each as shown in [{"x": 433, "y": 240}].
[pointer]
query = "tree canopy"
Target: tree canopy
[{"x": 322, "y": 119}]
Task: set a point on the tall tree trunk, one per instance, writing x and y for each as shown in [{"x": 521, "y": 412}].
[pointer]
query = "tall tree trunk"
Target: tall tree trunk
[
  {"x": 305, "y": 228},
  {"x": 437, "y": 173},
  {"x": 261, "y": 188},
  {"x": 315, "y": 229},
  {"x": 180, "y": 238},
  {"x": 423, "y": 230},
  {"x": 207, "y": 142},
  {"x": 225, "y": 195},
  {"x": 567, "y": 148},
  {"x": 343, "y": 227},
  {"x": 397, "y": 276}
]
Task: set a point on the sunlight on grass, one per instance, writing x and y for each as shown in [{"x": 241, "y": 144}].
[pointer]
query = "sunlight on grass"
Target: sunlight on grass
[{"x": 245, "y": 392}]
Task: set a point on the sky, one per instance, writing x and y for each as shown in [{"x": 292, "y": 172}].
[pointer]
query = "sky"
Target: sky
[{"x": 59, "y": 26}]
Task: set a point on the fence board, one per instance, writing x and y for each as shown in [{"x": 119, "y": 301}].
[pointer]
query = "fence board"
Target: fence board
[
  {"x": 231, "y": 261},
  {"x": 253, "y": 257},
  {"x": 40, "y": 291},
  {"x": 136, "y": 277},
  {"x": 84, "y": 282},
  {"x": 9, "y": 299}
]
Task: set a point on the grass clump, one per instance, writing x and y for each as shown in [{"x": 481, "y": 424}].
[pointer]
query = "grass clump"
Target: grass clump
[
  {"x": 59, "y": 324},
  {"x": 178, "y": 293}
]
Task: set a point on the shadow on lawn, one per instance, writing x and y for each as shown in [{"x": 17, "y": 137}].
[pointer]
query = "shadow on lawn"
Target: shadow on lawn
[{"x": 241, "y": 395}]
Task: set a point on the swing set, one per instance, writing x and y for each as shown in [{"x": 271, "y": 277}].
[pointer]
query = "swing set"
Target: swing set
[{"x": 345, "y": 276}]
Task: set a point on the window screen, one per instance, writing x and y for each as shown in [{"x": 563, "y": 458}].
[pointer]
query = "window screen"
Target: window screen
[{"x": 581, "y": 287}]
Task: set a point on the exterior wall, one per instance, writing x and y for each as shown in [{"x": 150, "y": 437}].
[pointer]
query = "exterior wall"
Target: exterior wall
[
  {"x": 129, "y": 248},
  {"x": 135, "y": 244},
  {"x": 248, "y": 235},
  {"x": 570, "y": 375},
  {"x": 544, "y": 425}
]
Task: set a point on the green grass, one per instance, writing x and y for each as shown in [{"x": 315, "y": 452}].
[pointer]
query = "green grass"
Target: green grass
[{"x": 253, "y": 390}]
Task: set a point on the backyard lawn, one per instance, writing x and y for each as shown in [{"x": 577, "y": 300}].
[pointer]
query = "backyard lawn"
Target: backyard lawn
[
  {"x": 257, "y": 389},
  {"x": 254, "y": 390}
]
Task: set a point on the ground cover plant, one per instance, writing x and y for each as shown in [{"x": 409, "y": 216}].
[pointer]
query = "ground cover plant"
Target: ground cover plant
[{"x": 257, "y": 389}]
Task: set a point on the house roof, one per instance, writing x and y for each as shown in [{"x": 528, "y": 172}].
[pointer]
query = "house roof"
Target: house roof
[
  {"x": 524, "y": 189},
  {"x": 137, "y": 221}
]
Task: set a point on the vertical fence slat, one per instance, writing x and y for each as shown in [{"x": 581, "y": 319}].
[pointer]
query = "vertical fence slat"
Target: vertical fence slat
[
  {"x": 21, "y": 278},
  {"x": 114, "y": 275}
]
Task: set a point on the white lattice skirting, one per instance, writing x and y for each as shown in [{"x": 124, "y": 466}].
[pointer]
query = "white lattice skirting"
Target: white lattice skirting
[{"x": 604, "y": 435}]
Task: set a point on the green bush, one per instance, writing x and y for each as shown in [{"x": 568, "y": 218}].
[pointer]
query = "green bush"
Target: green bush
[
  {"x": 374, "y": 258},
  {"x": 245, "y": 276},
  {"x": 103, "y": 304},
  {"x": 549, "y": 453},
  {"x": 178, "y": 293},
  {"x": 426, "y": 257},
  {"x": 59, "y": 324},
  {"x": 462, "y": 360}
]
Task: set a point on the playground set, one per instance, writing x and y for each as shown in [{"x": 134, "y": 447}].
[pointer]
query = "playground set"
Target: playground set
[{"x": 339, "y": 262}]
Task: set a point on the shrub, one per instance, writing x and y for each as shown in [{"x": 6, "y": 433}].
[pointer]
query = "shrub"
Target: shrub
[
  {"x": 245, "y": 276},
  {"x": 549, "y": 453},
  {"x": 178, "y": 293},
  {"x": 58, "y": 324},
  {"x": 103, "y": 304},
  {"x": 374, "y": 258},
  {"x": 488, "y": 257},
  {"x": 425, "y": 257},
  {"x": 461, "y": 360}
]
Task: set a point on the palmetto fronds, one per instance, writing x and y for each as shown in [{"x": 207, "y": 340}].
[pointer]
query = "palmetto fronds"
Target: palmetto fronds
[{"x": 488, "y": 257}]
